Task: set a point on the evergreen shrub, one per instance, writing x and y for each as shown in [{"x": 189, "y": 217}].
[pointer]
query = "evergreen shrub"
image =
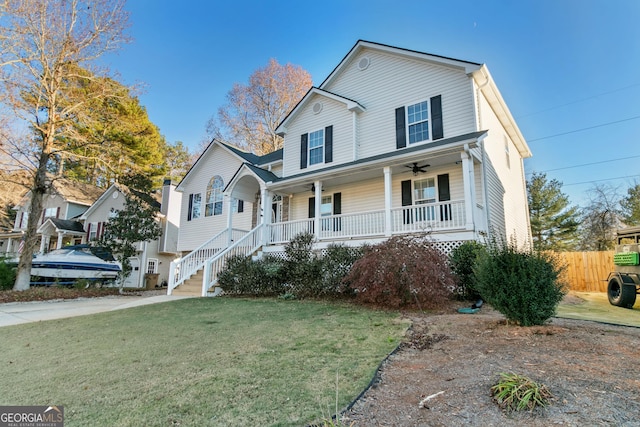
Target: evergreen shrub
[
  {"x": 7, "y": 275},
  {"x": 523, "y": 285},
  {"x": 463, "y": 260}
]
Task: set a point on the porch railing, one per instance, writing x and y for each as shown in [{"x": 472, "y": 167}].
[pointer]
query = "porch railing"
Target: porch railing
[
  {"x": 410, "y": 219},
  {"x": 429, "y": 217},
  {"x": 188, "y": 265},
  {"x": 247, "y": 245}
]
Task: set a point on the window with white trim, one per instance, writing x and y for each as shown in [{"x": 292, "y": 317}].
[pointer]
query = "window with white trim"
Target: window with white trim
[
  {"x": 50, "y": 212},
  {"x": 152, "y": 265},
  {"x": 424, "y": 192},
  {"x": 196, "y": 202},
  {"x": 93, "y": 231},
  {"x": 214, "y": 197},
  {"x": 316, "y": 147},
  {"x": 418, "y": 122}
]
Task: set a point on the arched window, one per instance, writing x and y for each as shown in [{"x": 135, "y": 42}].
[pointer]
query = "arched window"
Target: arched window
[{"x": 214, "y": 197}]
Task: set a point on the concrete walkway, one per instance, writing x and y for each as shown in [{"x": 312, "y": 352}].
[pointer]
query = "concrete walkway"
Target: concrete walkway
[
  {"x": 15, "y": 313},
  {"x": 595, "y": 306}
]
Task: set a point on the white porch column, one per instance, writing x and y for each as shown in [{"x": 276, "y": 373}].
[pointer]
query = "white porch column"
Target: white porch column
[
  {"x": 469, "y": 189},
  {"x": 387, "y": 201},
  {"x": 265, "y": 213},
  {"x": 59, "y": 243},
  {"x": 227, "y": 201},
  {"x": 318, "y": 196},
  {"x": 43, "y": 242}
]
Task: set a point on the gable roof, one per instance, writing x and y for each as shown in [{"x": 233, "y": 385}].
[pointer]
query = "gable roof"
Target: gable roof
[
  {"x": 76, "y": 191},
  {"x": 467, "y": 66},
  {"x": 71, "y": 191},
  {"x": 243, "y": 156},
  {"x": 69, "y": 225},
  {"x": 350, "y": 104}
]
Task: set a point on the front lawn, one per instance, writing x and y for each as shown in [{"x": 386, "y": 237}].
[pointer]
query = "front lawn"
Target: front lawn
[{"x": 198, "y": 362}]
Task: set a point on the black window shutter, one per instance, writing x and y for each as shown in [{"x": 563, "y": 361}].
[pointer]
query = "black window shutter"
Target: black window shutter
[
  {"x": 312, "y": 207},
  {"x": 407, "y": 200},
  {"x": 436, "y": 117},
  {"x": 444, "y": 195},
  {"x": 401, "y": 130},
  {"x": 58, "y": 212},
  {"x": 328, "y": 144},
  {"x": 406, "y": 193},
  {"x": 337, "y": 210},
  {"x": 190, "y": 206},
  {"x": 337, "y": 203},
  {"x": 303, "y": 150},
  {"x": 443, "y": 188},
  {"x": 240, "y": 205}
]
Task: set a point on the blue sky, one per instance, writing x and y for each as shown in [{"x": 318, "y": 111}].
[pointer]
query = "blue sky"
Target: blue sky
[{"x": 561, "y": 65}]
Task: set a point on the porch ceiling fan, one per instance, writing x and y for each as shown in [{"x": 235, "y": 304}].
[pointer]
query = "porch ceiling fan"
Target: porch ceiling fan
[{"x": 418, "y": 169}]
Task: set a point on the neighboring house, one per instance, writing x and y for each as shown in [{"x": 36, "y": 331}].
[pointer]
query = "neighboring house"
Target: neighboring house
[
  {"x": 76, "y": 213},
  {"x": 59, "y": 223},
  {"x": 154, "y": 258},
  {"x": 393, "y": 142}
]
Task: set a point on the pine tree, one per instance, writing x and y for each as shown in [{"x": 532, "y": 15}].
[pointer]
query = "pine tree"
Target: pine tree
[
  {"x": 631, "y": 206},
  {"x": 554, "y": 223}
]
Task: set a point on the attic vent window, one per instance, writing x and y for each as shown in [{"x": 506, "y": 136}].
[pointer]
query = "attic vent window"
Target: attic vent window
[
  {"x": 363, "y": 64},
  {"x": 317, "y": 107},
  {"x": 115, "y": 195}
]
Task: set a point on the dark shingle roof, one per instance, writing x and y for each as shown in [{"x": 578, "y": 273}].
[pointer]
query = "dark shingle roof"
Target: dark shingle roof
[{"x": 67, "y": 225}]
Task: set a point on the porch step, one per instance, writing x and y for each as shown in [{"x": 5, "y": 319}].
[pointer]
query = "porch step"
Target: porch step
[{"x": 192, "y": 286}]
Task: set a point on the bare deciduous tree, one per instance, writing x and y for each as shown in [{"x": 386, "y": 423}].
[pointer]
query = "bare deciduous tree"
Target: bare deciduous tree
[
  {"x": 254, "y": 111},
  {"x": 42, "y": 45},
  {"x": 601, "y": 218}
]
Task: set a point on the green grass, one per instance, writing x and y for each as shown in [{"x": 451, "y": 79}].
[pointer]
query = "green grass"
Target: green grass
[{"x": 198, "y": 362}]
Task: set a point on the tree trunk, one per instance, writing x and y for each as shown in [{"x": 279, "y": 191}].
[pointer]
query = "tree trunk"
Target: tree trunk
[{"x": 38, "y": 190}]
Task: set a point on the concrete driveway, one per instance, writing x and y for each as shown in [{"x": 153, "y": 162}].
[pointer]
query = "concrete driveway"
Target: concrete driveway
[
  {"x": 15, "y": 313},
  {"x": 595, "y": 306}
]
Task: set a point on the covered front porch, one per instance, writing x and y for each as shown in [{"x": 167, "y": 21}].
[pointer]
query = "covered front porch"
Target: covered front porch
[{"x": 444, "y": 197}]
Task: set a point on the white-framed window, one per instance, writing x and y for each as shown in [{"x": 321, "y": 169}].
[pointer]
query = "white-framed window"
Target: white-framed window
[
  {"x": 316, "y": 147},
  {"x": 424, "y": 192},
  {"x": 326, "y": 209},
  {"x": 152, "y": 265},
  {"x": 214, "y": 198},
  {"x": 195, "y": 204},
  {"x": 24, "y": 220},
  {"x": 51, "y": 212},
  {"x": 418, "y": 122},
  {"x": 93, "y": 231}
]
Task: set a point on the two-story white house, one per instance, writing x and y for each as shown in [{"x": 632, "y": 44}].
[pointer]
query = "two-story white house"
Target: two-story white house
[{"x": 393, "y": 141}]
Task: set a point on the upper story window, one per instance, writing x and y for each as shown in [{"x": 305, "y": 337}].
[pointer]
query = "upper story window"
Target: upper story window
[
  {"x": 418, "y": 122},
  {"x": 51, "y": 213},
  {"x": 316, "y": 147},
  {"x": 214, "y": 197}
]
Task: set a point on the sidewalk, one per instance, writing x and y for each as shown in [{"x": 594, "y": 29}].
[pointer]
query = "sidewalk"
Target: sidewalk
[{"x": 15, "y": 313}]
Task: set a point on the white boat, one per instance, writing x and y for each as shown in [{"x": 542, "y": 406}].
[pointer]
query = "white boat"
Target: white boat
[{"x": 71, "y": 263}]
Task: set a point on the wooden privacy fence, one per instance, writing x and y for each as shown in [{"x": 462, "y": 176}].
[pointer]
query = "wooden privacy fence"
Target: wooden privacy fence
[{"x": 587, "y": 271}]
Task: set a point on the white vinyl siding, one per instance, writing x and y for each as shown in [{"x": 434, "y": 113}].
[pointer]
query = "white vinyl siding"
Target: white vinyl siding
[
  {"x": 334, "y": 114},
  {"x": 399, "y": 81},
  {"x": 217, "y": 161},
  {"x": 506, "y": 187}
]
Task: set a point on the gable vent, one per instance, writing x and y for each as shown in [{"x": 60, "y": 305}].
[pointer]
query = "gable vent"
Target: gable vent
[
  {"x": 317, "y": 107},
  {"x": 364, "y": 62}
]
